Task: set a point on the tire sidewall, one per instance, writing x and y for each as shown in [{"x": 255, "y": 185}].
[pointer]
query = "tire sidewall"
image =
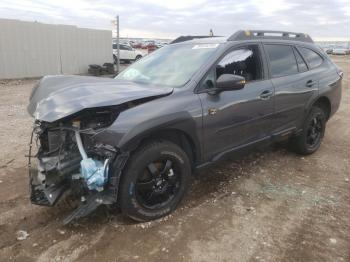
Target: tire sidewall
[
  {"x": 315, "y": 111},
  {"x": 128, "y": 199}
]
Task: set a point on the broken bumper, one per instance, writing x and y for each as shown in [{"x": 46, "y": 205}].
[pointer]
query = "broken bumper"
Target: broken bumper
[{"x": 56, "y": 171}]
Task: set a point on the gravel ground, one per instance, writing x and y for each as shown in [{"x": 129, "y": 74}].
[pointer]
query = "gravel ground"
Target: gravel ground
[{"x": 270, "y": 205}]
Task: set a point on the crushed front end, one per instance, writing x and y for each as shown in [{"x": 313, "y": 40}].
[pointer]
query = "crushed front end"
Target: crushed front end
[{"x": 69, "y": 158}]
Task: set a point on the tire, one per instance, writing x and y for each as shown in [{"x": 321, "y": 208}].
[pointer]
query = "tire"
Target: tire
[
  {"x": 313, "y": 131},
  {"x": 138, "y": 57},
  {"x": 155, "y": 180}
]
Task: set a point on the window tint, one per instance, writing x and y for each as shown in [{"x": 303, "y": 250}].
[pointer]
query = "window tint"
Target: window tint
[
  {"x": 301, "y": 63},
  {"x": 311, "y": 57},
  {"x": 244, "y": 62},
  {"x": 282, "y": 60}
]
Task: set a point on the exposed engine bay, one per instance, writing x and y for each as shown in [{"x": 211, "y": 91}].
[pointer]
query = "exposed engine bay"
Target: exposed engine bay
[
  {"x": 75, "y": 149},
  {"x": 68, "y": 157}
]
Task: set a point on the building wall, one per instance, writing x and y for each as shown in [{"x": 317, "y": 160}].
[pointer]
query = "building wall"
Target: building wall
[{"x": 31, "y": 49}]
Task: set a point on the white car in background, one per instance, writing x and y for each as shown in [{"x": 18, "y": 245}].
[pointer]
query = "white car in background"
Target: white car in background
[
  {"x": 126, "y": 53},
  {"x": 341, "y": 51}
]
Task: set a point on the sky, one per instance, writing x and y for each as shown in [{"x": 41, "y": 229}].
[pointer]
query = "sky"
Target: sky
[{"x": 322, "y": 19}]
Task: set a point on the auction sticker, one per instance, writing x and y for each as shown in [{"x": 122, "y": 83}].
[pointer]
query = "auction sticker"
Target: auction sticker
[{"x": 201, "y": 46}]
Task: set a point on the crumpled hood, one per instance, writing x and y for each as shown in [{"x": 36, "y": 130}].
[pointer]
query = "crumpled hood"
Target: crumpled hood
[{"x": 56, "y": 97}]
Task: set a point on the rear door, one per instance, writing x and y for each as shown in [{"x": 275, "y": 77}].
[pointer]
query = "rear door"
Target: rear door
[
  {"x": 130, "y": 52},
  {"x": 124, "y": 53},
  {"x": 294, "y": 85},
  {"x": 232, "y": 119}
]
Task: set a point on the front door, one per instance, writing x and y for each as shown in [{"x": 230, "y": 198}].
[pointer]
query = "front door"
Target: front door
[{"x": 232, "y": 119}]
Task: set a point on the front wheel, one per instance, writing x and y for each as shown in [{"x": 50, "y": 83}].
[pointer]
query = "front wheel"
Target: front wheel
[
  {"x": 138, "y": 57},
  {"x": 313, "y": 131},
  {"x": 155, "y": 180}
]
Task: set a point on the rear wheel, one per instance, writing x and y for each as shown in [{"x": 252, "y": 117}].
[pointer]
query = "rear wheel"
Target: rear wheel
[
  {"x": 138, "y": 57},
  {"x": 313, "y": 131},
  {"x": 155, "y": 181}
]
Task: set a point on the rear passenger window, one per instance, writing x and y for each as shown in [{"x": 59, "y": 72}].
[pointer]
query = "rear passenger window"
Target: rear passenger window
[
  {"x": 282, "y": 60},
  {"x": 311, "y": 57},
  {"x": 301, "y": 63}
]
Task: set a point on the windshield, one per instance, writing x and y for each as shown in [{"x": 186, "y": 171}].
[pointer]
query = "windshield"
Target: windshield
[{"x": 171, "y": 65}]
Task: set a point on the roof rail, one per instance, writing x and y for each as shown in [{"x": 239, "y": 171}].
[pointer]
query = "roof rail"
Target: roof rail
[
  {"x": 188, "y": 38},
  {"x": 262, "y": 34}
]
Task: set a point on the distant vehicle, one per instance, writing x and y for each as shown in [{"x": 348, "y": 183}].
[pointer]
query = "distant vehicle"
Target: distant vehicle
[
  {"x": 328, "y": 50},
  {"x": 341, "y": 51},
  {"x": 137, "y": 45},
  {"x": 126, "y": 52},
  {"x": 149, "y": 44}
]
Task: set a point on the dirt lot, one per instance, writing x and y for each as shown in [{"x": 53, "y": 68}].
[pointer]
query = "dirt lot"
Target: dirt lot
[{"x": 271, "y": 205}]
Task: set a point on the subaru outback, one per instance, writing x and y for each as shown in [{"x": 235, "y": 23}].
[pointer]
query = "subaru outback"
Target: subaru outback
[{"x": 134, "y": 141}]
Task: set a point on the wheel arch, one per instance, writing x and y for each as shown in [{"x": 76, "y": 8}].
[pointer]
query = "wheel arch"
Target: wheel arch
[
  {"x": 177, "y": 136},
  {"x": 324, "y": 103}
]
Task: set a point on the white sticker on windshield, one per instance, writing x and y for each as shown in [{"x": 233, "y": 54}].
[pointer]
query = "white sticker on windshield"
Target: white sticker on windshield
[{"x": 201, "y": 46}]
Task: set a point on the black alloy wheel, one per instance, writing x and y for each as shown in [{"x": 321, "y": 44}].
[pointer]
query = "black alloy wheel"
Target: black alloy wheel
[
  {"x": 314, "y": 131},
  {"x": 310, "y": 139},
  {"x": 154, "y": 181},
  {"x": 158, "y": 184}
]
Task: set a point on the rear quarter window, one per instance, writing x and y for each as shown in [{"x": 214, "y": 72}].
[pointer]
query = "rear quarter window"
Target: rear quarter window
[{"x": 314, "y": 60}]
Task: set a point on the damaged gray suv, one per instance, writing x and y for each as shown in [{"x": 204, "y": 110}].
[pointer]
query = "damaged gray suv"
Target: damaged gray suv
[{"x": 134, "y": 141}]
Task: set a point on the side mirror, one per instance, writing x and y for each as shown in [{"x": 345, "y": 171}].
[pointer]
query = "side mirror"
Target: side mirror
[{"x": 230, "y": 82}]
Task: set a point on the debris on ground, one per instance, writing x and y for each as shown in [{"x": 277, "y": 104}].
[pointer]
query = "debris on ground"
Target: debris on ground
[
  {"x": 22, "y": 235},
  {"x": 333, "y": 241}
]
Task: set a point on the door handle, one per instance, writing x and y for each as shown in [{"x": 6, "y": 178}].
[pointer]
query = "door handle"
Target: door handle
[
  {"x": 310, "y": 83},
  {"x": 266, "y": 95}
]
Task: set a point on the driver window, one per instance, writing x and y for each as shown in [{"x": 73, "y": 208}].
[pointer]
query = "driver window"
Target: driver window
[{"x": 244, "y": 62}]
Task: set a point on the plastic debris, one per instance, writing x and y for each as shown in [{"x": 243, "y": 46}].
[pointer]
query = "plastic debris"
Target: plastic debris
[
  {"x": 61, "y": 232},
  {"x": 94, "y": 171},
  {"x": 333, "y": 240},
  {"x": 22, "y": 235}
]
